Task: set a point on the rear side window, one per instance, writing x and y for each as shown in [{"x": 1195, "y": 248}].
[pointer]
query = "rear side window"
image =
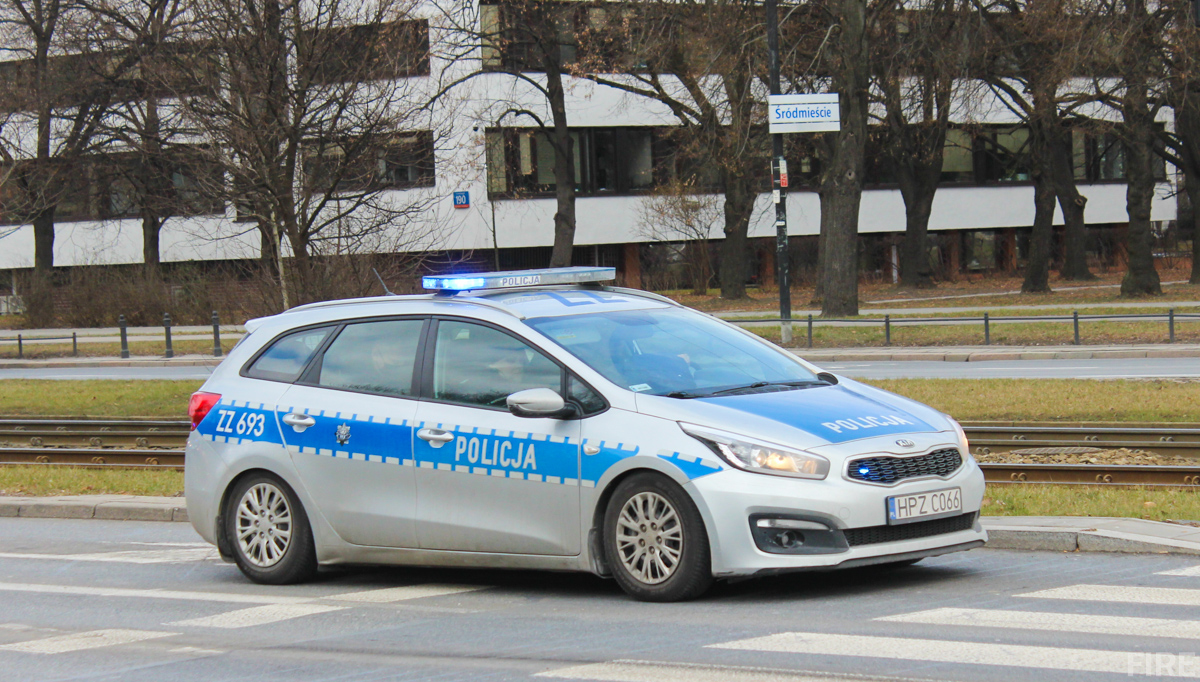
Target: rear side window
[
  {"x": 286, "y": 358},
  {"x": 373, "y": 357}
]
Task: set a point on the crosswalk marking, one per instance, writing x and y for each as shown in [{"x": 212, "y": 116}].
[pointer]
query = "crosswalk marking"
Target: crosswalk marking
[
  {"x": 393, "y": 594},
  {"x": 1189, "y": 572},
  {"x": 80, "y": 641},
  {"x": 945, "y": 651},
  {"x": 1168, "y": 596},
  {"x": 162, "y": 556},
  {"x": 224, "y": 597},
  {"x": 257, "y": 615},
  {"x": 651, "y": 671},
  {"x": 1058, "y": 622}
]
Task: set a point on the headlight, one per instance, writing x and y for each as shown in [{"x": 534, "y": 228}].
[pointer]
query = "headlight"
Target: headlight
[
  {"x": 763, "y": 458},
  {"x": 964, "y": 446}
]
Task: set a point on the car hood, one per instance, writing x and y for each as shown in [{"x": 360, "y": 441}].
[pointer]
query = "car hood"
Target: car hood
[{"x": 807, "y": 417}]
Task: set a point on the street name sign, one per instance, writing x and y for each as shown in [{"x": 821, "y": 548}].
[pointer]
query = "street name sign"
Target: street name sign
[{"x": 818, "y": 113}]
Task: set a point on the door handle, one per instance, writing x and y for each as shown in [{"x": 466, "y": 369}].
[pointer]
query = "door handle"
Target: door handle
[
  {"x": 298, "y": 421},
  {"x": 435, "y": 437}
]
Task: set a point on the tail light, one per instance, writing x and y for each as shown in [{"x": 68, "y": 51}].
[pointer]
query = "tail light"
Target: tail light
[{"x": 199, "y": 406}]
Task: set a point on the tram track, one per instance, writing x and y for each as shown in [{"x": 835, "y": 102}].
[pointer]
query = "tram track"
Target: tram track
[{"x": 158, "y": 444}]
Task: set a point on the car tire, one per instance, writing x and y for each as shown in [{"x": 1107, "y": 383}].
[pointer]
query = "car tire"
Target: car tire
[
  {"x": 655, "y": 542},
  {"x": 268, "y": 531}
]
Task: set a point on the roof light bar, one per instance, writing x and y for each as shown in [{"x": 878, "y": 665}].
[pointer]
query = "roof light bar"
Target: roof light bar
[{"x": 517, "y": 278}]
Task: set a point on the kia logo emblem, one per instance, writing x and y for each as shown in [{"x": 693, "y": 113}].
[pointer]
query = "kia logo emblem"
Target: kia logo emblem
[{"x": 905, "y": 443}]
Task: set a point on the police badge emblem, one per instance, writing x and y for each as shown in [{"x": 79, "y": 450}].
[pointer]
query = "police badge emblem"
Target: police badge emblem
[{"x": 343, "y": 434}]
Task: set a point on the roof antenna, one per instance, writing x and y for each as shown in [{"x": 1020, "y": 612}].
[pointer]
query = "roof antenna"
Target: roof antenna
[{"x": 381, "y": 283}]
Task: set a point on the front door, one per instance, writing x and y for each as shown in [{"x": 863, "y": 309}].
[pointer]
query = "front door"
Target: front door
[
  {"x": 488, "y": 481},
  {"x": 348, "y": 426}
]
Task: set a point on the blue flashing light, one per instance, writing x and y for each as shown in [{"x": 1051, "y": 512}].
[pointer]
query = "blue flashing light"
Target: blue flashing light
[
  {"x": 518, "y": 278},
  {"x": 864, "y": 471}
]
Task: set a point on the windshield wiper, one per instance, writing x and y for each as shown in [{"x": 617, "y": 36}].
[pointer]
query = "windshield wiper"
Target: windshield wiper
[{"x": 762, "y": 384}]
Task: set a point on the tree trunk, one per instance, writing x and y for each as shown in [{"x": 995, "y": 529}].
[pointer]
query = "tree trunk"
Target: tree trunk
[
  {"x": 698, "y": 255},
  {"x": 1072, "y": 203},
  {"x": 1141, "y": 277},
  {"x": 151, "y": 229},
  {"x": 1037, "y": 271},
  {"x": 915, "y": 270},
  {"x": 1191, "y": 185},
  {"x": 841, "y": 186},
  {"x": 739, "y": 205},
  {"x": 564, "y": 165},
  {"x": 43, "y": 240}
]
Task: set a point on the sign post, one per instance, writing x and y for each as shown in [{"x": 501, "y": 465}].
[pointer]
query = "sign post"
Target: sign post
[{"x": 789, "y": 114}]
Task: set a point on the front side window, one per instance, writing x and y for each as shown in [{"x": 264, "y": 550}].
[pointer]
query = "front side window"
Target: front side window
[
  {"x": 478, "y": 365},
  {"x": 670, "y": 352},
  {"x": 373, "y": 357},
  {"x": 288, "y": 356}
]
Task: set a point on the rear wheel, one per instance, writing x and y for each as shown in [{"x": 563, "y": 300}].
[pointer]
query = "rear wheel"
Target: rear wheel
[
  {"x": 655, "y": 541},
  {"x": 269, "y": 532}
]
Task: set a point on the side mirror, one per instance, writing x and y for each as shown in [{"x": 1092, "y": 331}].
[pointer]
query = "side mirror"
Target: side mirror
[
  {"x": 538, "y": 403},
  {"x": 828, "y": 378}
]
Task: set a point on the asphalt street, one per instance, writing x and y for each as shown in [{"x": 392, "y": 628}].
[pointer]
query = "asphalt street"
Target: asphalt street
[
  {"x": 1124, "y": 368},
  {"x": 130, "y": 601}
]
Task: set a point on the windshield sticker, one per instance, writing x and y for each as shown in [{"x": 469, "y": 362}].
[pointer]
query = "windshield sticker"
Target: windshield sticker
[{"x": 638, "y": 388}]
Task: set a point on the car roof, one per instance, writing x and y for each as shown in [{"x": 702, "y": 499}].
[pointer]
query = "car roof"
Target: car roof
[{"x": 520, "y": 302}]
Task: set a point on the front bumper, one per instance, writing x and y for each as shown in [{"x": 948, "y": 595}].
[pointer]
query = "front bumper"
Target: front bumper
[{"x": 729, "y": 500}]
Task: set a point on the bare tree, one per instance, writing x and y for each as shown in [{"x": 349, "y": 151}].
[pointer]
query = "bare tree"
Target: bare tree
[
  {"x": 1033, "y": 50},
  {"x": 677, "y": 212},
  {"x": 705, "y": 62},
  {"x": 535, "y": 42},
  {"x": 847, "y": 62},
  {"x": 314, "y": 120},
  {"x": 1181, "y": 146},
  {"x": 54, "y": 105},
  {"x": 1137, "y": 30},
  {"x": 921, "y": 51}
]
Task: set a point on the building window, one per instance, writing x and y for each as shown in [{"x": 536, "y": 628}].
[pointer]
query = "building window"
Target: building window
[
  {"x": 402, "y": 161},
  {"x": 113, "y": 186},
  {"x": 363, "y": 53}
]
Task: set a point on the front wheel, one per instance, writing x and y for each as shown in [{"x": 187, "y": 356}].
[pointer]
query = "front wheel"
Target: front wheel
[
  {"x": 269, "y": 532},
  {"x": 655, "y": 541}
]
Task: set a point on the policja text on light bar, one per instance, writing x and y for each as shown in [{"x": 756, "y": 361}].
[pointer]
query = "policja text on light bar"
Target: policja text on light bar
[{"x": 518, "y": 278}]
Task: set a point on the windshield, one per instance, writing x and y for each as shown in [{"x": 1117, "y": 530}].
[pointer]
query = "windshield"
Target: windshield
[{"x": 671, "y": 352}]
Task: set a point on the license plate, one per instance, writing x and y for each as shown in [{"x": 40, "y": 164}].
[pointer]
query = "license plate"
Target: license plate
[{"x": 921, "y": 506}]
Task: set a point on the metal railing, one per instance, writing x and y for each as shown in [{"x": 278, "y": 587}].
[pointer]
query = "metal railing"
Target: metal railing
[
  {"x": 22, "y": 340},
  {"x": 985, "y": 321}
]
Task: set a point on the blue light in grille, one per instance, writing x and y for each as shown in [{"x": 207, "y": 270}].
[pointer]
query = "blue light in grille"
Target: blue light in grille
[{"x": 864, "y": 471}]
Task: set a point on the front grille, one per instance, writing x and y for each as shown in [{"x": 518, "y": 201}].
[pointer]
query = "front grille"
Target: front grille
[
  {"x": 909, "y": 531},
  {"x": 885, "y": 469}
]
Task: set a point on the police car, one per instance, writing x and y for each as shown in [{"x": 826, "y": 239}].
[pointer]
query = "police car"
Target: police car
[{"x": 541, "y": 420}]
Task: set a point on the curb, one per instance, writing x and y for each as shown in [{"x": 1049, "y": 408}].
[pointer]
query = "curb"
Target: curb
[
  {"x": 110, "y": 508},
  {"x": 1147, "y": 537}
]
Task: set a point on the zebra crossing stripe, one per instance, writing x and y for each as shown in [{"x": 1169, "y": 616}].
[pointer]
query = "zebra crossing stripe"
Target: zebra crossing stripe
[
  {"x": 655, "y": 671},
  {"x": 94, "y": 639},
  {"x": 1056, "y": 622},
  {"x": 1189, "y": 572},
  {"x": 1166, "y": 596},
  {"x": 256, "y": 615},
  {"x": 946, "y": 651}
]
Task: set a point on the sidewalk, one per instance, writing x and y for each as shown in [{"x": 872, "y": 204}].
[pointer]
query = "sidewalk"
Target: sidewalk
[
  {"x": 1046, "y": 533},
  {"x": 988, "y": 353}
]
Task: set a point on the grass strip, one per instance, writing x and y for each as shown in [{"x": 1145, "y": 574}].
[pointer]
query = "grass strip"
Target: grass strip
[
  {"x": 1069, "y": 400},
  {"x": 42, "y": 481},
  {"x": 95, "y": 398},
  {"x": 1156, "y": 504},
  {"x": 1072, "y": 400}
]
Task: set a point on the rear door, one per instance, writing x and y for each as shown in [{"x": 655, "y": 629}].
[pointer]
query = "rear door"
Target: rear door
[
  {"x": 488, "y": 481},
  {"x": 348, "y": 425}
]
